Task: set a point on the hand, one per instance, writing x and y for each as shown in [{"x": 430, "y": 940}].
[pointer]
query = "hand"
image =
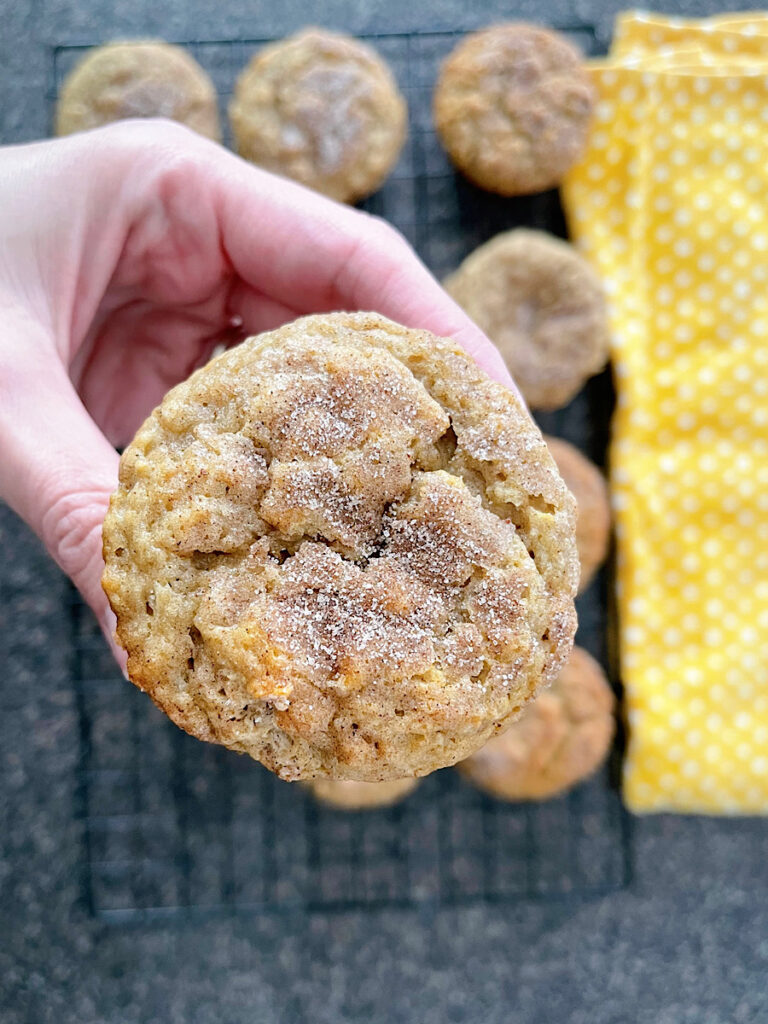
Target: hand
[{"x": 126, "y": 255}]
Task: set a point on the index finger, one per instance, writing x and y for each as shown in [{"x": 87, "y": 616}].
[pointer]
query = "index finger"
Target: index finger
[{"x": 315, "y": 255}]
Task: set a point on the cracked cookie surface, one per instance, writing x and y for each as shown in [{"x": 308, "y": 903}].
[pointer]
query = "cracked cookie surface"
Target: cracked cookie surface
[
  {"x": 138, "y": 79},
  {"x": 322, "y": 108},
  {"x": 512, "y": 107},
  {"x": 342, "y": 549}
]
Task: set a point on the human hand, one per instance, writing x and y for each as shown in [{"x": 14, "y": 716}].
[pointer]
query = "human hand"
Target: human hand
[{"x": 126, "y": 255}]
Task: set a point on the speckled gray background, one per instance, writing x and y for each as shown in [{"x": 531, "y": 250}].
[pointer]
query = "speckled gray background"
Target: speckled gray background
[{"x": 687, "y": 943}]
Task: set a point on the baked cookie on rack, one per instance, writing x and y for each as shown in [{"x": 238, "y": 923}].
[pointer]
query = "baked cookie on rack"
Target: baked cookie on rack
[
  {"x": 361, "y": 796},
  {"x": 560, "y": 739},
  {"x": 542, "y": 305},
  {"x": 512, "y": 107},
  {"x": 142, "y": 78},
  {"x": 322, "y": 108},
  {"x": 593, "y": 508}
]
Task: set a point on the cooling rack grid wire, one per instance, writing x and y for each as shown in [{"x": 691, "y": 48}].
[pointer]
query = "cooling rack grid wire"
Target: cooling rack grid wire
[{"x": 174, "y": 826}]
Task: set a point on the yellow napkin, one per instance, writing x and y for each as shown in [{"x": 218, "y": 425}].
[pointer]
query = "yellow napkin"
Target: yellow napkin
[
  {"x": 647, "y": 33},
  {"x": 671, "y": 204}
]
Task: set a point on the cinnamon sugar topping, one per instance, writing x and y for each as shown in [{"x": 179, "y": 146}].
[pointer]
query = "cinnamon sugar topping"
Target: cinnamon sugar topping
[{"x": 332, "y": 587}]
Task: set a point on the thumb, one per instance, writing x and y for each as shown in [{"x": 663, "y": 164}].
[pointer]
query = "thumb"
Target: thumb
[{"x": 57, "y": 470}]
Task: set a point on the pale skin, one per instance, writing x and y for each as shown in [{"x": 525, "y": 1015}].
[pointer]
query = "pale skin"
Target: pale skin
[{"x": 126, "y": 255}]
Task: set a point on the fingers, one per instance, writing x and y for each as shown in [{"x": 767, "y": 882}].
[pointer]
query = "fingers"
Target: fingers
[
  {"x": 257, "y": 311},
  {"x": 311, "y": 254},
  {"x": 57, "y": 470},
  {"x": 295, "y": 250},
  {"x": 384, "y": 274}
]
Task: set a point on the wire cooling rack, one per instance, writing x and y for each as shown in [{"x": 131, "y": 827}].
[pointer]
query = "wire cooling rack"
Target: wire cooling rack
[{"x": 175, "y": 826}]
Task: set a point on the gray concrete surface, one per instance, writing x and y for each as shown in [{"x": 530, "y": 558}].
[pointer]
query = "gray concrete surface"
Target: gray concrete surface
[{"x": 686, "y": 944}]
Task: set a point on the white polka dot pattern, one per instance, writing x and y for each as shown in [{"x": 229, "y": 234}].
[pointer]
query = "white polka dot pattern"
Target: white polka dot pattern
[{"x": 676, "y": 219}]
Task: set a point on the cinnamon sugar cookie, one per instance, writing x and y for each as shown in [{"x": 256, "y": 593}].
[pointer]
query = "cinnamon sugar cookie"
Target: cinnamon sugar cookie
[
  {"x": 542, "y": 305},
  {"x": 512, "y": 107},
  {"x": 342, "y": 549},
  {"x": 560, "y": 739},
  {"x": 359, "y": 796},
  {"x": 593, "y": 509},
  {"x": 145, "y": 78},
  {"x": 321, "y": 108}
]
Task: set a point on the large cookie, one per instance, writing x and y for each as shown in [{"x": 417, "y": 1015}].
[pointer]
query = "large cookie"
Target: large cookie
[
  {"x": 542, "y": 305},
  {"x": 512, "y": 107},
  {"x": 560, "y": 739},
  {"x": 321, "y": 108},
  {"x": 342, "y": 549},
  {"x": 145, "y": 78}
]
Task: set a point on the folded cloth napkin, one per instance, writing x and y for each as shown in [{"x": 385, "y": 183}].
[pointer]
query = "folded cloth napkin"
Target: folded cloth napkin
[{"x": 670, "y": 202}]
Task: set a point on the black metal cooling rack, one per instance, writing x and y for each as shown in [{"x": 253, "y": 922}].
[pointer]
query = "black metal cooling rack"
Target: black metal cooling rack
[
  {"x": 175, "y": 826},
  {"x": 443, "y": 216}
]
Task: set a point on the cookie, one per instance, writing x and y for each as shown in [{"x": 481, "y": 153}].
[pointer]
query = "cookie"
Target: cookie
[
  {"x": 358, "y": 796},
  {"x": 543, "y": 306},
  {"x": 321, "y": 108},
  {"x": 137, "y": 79},
  {"x": 560, "y": 739},
  {"x": 342, "y": 549},
  {"x": 593, "y": 509},
  {"x": 512, "y": 107}
]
